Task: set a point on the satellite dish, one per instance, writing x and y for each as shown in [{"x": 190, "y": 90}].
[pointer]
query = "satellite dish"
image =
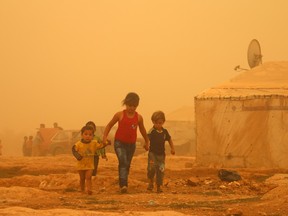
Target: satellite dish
[{"x": 254, "y": 54}]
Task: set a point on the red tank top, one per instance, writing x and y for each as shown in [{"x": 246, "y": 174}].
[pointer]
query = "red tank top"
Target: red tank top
[{"x": 127, "y": 129}]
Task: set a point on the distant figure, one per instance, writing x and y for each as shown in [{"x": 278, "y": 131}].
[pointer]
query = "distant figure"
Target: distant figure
[
  {"x": 1, "y": 147},
  {"x": 86, "y": 150},
  {"x": 24, "y": 148},
  {"x": 156, "y": 156},
  {"x": 36, "y": 151},
  {"x": 126, "y": 135},
  {"x": 29, "y": 146},
  {"x": 42, "y": 125},
  {"x": 55, "y": 125}
]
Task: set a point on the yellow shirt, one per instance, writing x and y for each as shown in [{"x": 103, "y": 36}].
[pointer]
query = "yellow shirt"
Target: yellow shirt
[{"x": 87, "y": 151}]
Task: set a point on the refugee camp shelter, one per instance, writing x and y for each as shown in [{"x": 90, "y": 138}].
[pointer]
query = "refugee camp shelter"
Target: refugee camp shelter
[{"x": 244, "y": 122}]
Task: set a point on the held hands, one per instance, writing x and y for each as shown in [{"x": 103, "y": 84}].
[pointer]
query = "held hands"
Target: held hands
[
  {"x": 146, "y": 146},
  {"x": 107, "y": 142},
  {"x": 173, "y": 151}
]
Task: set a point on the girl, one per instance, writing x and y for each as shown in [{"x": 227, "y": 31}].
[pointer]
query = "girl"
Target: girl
[
  {"x": 125, "y": 137},
  {"x": 86, "y": 149}
]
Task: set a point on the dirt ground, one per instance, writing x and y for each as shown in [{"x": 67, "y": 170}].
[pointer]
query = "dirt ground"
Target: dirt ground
[{"x": 50, "y": 186}]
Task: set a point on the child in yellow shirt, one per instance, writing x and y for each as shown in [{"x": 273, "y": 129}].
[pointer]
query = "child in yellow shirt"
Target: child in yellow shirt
[{"x": 86, "y": 149}]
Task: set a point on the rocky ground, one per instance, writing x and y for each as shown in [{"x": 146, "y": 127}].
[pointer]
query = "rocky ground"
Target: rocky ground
[{"x": 50, "y": 186}]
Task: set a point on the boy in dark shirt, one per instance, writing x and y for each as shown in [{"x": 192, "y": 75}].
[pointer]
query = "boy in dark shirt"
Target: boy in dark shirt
[{"x": 156, "y": 156}]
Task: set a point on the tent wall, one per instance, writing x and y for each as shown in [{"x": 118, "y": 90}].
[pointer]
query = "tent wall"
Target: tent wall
[{"x": 242, "y": 133}]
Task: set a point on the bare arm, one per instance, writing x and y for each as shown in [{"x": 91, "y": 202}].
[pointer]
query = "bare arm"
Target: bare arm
[
  {"x": 143, "y": 132},
  {"x": 113, "y": 121},
  {"x": 171, "y": 146},
  {"x": 76, "y": 154}
]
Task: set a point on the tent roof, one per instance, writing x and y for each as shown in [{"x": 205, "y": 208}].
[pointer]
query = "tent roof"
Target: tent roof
[{"x": 267, "y": 80}]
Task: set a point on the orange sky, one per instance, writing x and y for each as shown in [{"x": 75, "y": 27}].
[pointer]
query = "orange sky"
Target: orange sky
[{"x": 72, "y": 61}]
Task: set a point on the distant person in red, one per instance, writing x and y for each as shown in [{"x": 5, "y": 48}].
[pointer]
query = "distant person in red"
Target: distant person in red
[
  {"x": 126, "y": 135},
  {"x": 156, "y": 156}
]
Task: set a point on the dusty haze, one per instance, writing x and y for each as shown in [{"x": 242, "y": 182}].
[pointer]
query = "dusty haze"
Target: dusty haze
[{"x": 73, "y": 61}]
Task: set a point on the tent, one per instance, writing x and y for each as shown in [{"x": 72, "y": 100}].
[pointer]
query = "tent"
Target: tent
[{"x": 244, "y": 122}]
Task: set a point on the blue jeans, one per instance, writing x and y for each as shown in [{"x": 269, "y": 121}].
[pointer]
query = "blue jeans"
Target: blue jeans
[
  {"x": 124, "y": 154},
  {"x": 156, "y": 166}
]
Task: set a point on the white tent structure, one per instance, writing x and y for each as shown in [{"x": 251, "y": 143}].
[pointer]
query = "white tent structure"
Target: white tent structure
[{"x": 244, "y": 122}]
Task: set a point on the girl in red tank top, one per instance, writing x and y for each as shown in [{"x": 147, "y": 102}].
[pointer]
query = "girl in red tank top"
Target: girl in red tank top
[{"x": 125, "y": 138}]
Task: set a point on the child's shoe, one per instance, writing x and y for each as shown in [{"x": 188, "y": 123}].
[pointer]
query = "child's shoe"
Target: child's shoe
[
  {"x": 159, "y": 189},
  {"x": 123, "y": 189},
  {"x": 150, "y": 186}
]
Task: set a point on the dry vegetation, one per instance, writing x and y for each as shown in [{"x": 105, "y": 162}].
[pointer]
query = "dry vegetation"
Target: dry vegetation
[{"x": 49, "y": 186}]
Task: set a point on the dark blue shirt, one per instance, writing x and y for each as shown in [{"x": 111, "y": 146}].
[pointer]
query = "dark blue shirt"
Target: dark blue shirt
[{"x": 157, "y": 140}]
